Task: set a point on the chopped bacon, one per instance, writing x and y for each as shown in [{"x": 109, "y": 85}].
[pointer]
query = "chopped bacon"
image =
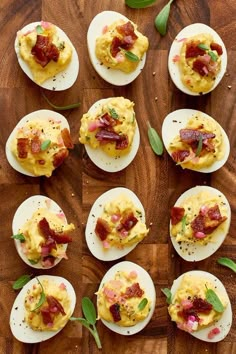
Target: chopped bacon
[
  {"x": 127, "y": 40},
  {"x": 199, "y": 306},
  {"x": 180, "y": 155},
  {"x": 47, "y": 232},
  {"x": 133, "y": 291},
  {"x": 217, "y": 47},
  {"x": 102, "y": 229},
  {"x": 115, "y": 311},
  {"x": 59, "y": 157},
  {"x": 192, "y": 136},
  {"x": 22, "y": 147},
  {"x": 208, "y": 222},
  {"x": 128, "y": 221},
  {"x": 176, "y": 215},
  {"x": 47, "y": 316},
  {"x": 48, "y": 261},
  {"x": 200, "y": 67},
  {"x": 193, "y": 51},
  {"x": 109, "y": 136},
  {"x": 123, "y": 143},
  {"x": 107, "y": 121},
  {"x": 67, "y": 138},
  {"x": 115, "y": 46},
  {"x": 127, "y": 29},
  {"x": 213, "y": 333},
  {"x": 44, "y": 50},
  {"x": 54, "y": 305},
  {"x": 214, "y": 213},
  {"x": 35, "y": 145},
  {"x": 48, "y": 246}
]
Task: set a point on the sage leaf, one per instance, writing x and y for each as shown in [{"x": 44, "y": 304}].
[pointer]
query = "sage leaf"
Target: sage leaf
[
  {"x": 61, "y": 108},
  {"x": 138, "y": 4},
  {"x": 113, "y": 113},
  {"x": 213, "y": 56},
  {"x": 83, "y": 321},
  {"x": 41, "y": 299},
  {"x": 203, "y": 46},
  {"x": 131, "y": 56},
  {"x": 142, "y": 304},
  {"x": 183, "y": 223},
  {"x": 39, "y": 29},
  {"x": 32, "y": 261},
  {"x": 154, "y": 140},
  {"x": 168, "y": 295},
  {"x": 45, "y": 144},
  {"x": 19, "y": 237},
  {"x": 162, "y": 18},
  {"x": 20, "y": 282},
  {"x": 89, "y": 310},
  {"x": 214, "y": 300},
  {"x": 199, "y": 146},
  {"x": 227, "y": 262}
]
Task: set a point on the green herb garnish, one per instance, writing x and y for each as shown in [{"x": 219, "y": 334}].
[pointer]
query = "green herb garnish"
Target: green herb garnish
[
  {"x": 154, "y": 140},
  {"x": 227, "y": 262},
  {"x": 39, "y": 29},
  {"x": 20, "y": 282},
  {"x": 61, "y": 108},
  {"x": 45, "y": 144},
  {"x": 162, "y": 18},
  {"x": 138, "y": 4},
  {"x": 113, "y": 113},
  {"x": 32, "y": 261},
  {"x": 19, "y": 237},
  {"x": 199, "y": 147},
  {"x": 183, "y": 222},
  {"x": 41, "y": 299},
  {"x": 142, "y": 304},
  {"x": 213, "y": 56},
  {"x": 90, "y": 319},
  {"x": 214, "y": 300},
  {"x": 129, "y": 55},
  {"x": 168, "y": 295},
  {"x": 61, "y": 45},
  {"x": 203, "y": 46}
]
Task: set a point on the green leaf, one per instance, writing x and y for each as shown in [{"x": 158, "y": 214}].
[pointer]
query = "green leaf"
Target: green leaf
[
  {"x": 168, "y": 295},
  {"x": 227, "y": 262},
  {"x": 138, "y": 4},
  {"x": 199, "y": 147},
  {"x": 203, "y": 46},
  {"x": 130, "y": 56},
  {"x": 113, "y": 113},
  {"x": 32, "y": 261},
  {"x": 83, "y": 321},
  {"x": 154, "y": 140},
  {"x": 20, "y": 282},
  {"x": 45, "y": 145},
  {"x": 214, "y": 300},
  {"x": 162, "y": 18},
  {"x": 89, "y": 310},
  {"x": 41, "y": 299},
  {"x": 142, "y": 304},
  {"x": 183, "y": 222},
  {"x": 61, "y": 108},
  {"x": 39, "y": 29},
  {"x": 19, "y": 237},
  {"x": 213, "y": 56}
]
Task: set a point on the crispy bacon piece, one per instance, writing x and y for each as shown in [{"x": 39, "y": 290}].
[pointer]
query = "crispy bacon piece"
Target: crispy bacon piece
[
  {"x": 107, "y": 121},
  {"x": 193, "y": 51},
  {"x": 48, "y": 233},
  {"x": 133, "y": 291},
  {"x": 126, "y": 42},
  {"x": 176, "y": 215},
  {"x": 102, "y": 229},
  {"x": 115, "y": 46},
  {"x": 59, "y": 157},
  {"x": 67, "y": 138},
  {"x": 115, "y": 311},
  {"x": 44, "y": 50},
  {"x": 123, "y": 143},
  {"x": 190, "y": 136},
  {"x": 47, "y": 316},
  {"x": 22, "y": 147},
  {"x": 54, "y": 305},
  {"x": 199, "y": 306},
  {"x": 127, "y": 29},
  {"x": 214, "y": 213},
  {"x": 107, "y": 136},
  {"x": 208, "y": 222},
  {"x": 200, "y": 67},
  {"x": 213, "y": 333},
  {"x": 35, "y": 145},
  {"x": 217, "y": 47},
  {"x": 128, "y": 221},
  {"x": 180, "y": 155}
]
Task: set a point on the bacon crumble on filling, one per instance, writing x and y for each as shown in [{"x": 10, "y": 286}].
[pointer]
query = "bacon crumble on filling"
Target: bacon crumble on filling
[
  {"x": 126, "y": 42},
  {"x": 44, "y": 50},
  {"x": 53, "y": 308},
  {"x": 192, "y": 308}
]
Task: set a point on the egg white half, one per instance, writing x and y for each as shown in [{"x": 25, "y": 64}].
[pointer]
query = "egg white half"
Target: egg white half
[
  {"x": 113, "y": 76},
  {"x": 94, "y": 243},
  {"x": 61, "y": 81},
  {"x": 20, "y": 329},
  {"x": 177, "y": 120},
  {"x": 146, "y": 284},
  {"x": 44, "y": 115},
  {"x": 194, "y": 251},
  {"x": 108, "y": 163},
  {"x": 175, "y": 48},
  {"x": 24, "y": 213},
  {"x": 225, "y": 322}
]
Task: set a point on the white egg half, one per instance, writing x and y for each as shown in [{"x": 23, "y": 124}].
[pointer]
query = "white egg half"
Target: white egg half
[
  {"x": 94, "y": 243},
  {"x": 61, "y": 81},
  {"x": 24, "y": 213},
  {"x": 106, "y": 162},
  {"x": 44, "y": 115},
  {"x": 177, "y": 120},
  {"x": 225, "y": 322},
  {"x": 186, "y": 32},
  {"x": 20, "y": 329},
  {"x": 146, "y": 284},
  {"x": 115, "y": 77},
  {"x": 194, "y": 251}
]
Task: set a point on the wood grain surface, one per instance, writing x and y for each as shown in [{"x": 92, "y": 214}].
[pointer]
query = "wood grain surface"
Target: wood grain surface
[{"x": 78, "y": 182}]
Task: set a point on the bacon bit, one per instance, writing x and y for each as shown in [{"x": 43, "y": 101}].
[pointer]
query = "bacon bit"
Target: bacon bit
[
  {"x": 102, "y": 229},
  {"x": 44, "y": 50},
  {"x": 214, "y": 213},
  {"x": 115, "y": 46},
  {"x": 176, "y": 58},
  {"x": 105, "y": 29},
  {"x": 35, "y": 145},
  {"x": 107, "y": 136},
  {"x": 204, "y": 210},
  {"x": 55, "y": 306},
  {"x": 193, "y": 51},
  {"x": 67, "y": 138},
  {"x": 115, "y": 218},
  {"x": 192, "y": 136},
  {"x": 128, "y": 221},
  {"x": 48, "y": 261},
  {"x": 176, "y": 215},
  {"x": 22, "y": 147},
  {"x": 127, "y": 29},
  {"x": 92, "y": 126},
  {"x": 200, "y": 235},
  {"x": 213, "y": 333},
  {"x": 59, "y": 157},
  {"x": 217, "y": 47},
  {"x": 207, "y": 223},
  {"x": 180, "y": 155},
  {"x": 126, "y": 42},
  {"x": 47, "y": 232},
  {"x": 123, "y": 143},
  {"x": 115, "y": 311},
  {"x": 46, "y": 315},
  {"x": 187, "y": 304},
  {"x": 47, "y": 247},
  {"x": 200, "y": 67},
  {"x": 133, "y": 291},
  {"x": 107, "y": 121},
  {"x": 110, "y": 294},
  {"x": 62, "y": 286}
]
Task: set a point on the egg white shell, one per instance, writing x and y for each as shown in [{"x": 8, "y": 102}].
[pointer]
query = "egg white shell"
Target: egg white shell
[
  {"x": 186, "y": 32},
  {"x": 106, "y": 162},
  {"x": 225, "y": 321},
  {"x": 177, "y": 120},
  {"x": 24, "y": 213},
  {"x": 44, "y": 115},
  {"x": 113, "y": 76},
  {"x": 94, "y": 243},
  {"x": 20, "y": 329},
  {"x": 145, "y": 282},
  {"x": 61, "y": 81},
  {"x": 195, "y": 251}
]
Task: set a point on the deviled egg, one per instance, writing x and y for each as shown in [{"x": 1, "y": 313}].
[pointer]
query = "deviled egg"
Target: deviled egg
[
  {"x": 200, "y": 221},
  {"x": 200, "y": 306},
  {"x": 116, "y": 48},
  {"x": 197, "y": 59},
  {"x": 110, "y": 133},
  {"x": 39, "y": 143},
  {"x": 195, "y": 140},
  {"x": 47, "y": 56},
  {"x": 116, "y": 224},
  {"x": 34, "y": 321},
  {"x": 126, "y": 298},
  {"x": 41, "y": 232}
]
